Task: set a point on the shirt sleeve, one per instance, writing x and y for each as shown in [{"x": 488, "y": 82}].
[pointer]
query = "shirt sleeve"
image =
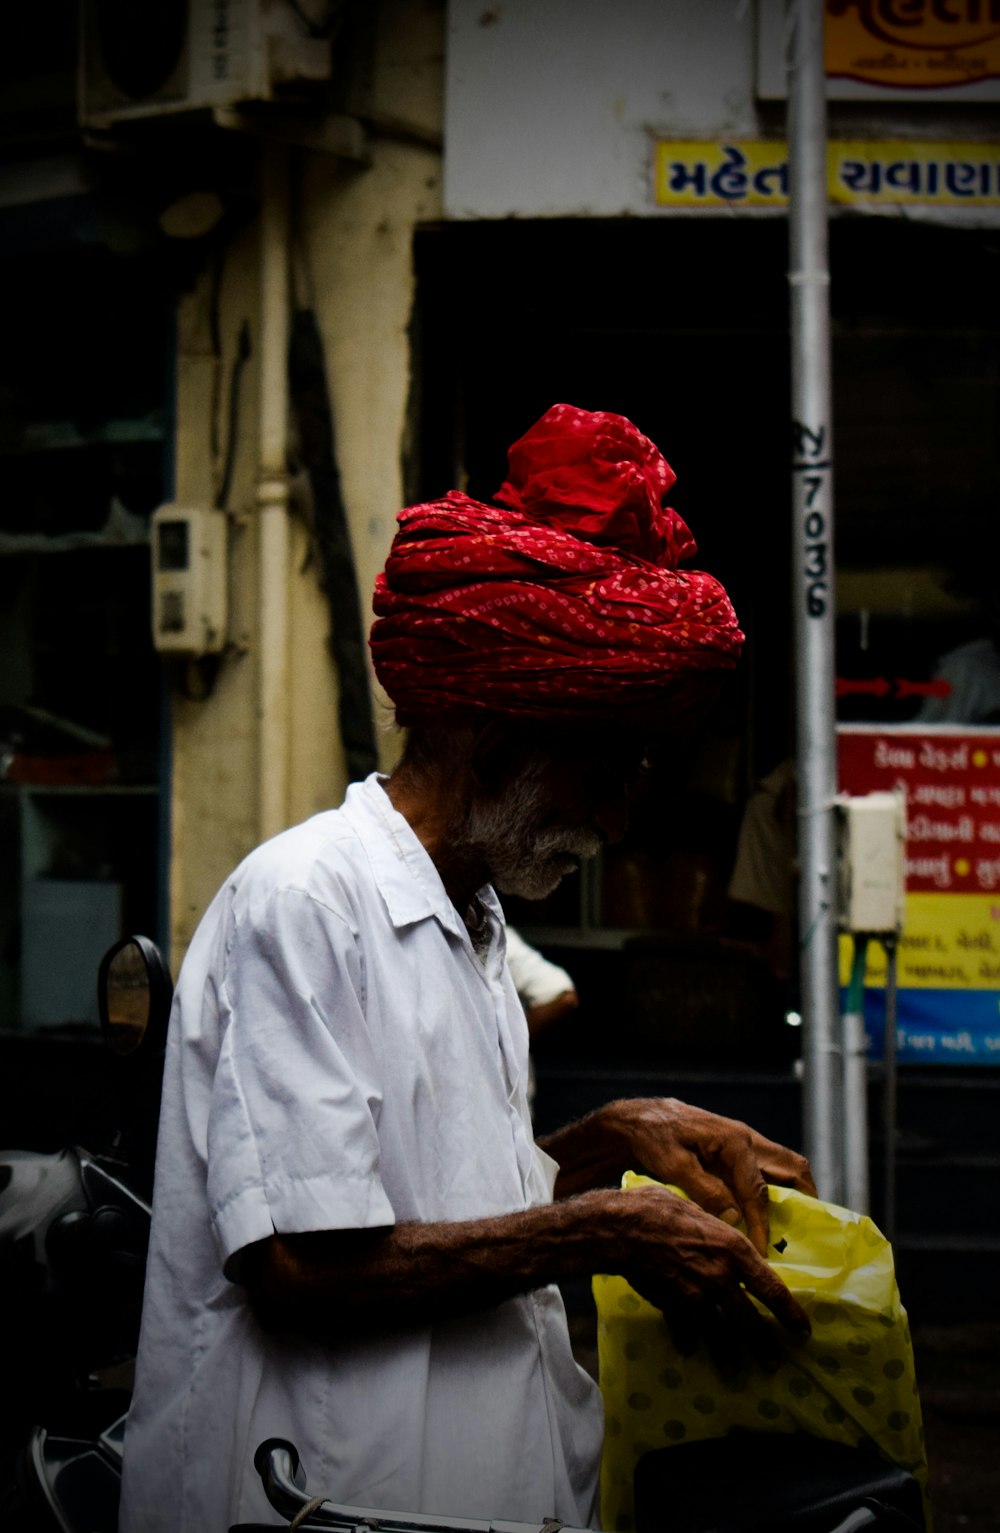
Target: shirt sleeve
[
  {"x": 292, "y": 1137},
  {"x": 536, "y": 980}
]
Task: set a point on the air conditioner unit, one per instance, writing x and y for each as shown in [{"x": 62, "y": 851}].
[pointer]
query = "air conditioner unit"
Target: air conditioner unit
[{"x": 162, "y": 58}]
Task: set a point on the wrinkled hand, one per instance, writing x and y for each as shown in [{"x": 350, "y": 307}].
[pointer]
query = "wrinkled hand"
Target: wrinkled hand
[
  {"x": 720, "y": 1163},
  {"x": 699, "y": 1272}
]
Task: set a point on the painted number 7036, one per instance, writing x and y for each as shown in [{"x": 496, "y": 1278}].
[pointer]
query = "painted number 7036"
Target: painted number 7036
[{"x": 809, "y": 462}]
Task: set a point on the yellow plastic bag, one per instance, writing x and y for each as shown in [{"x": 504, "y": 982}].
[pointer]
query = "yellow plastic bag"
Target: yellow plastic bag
[{"x": 852, "y": 1381}]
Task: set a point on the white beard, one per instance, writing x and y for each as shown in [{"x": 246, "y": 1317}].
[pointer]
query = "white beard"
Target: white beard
[{"x": 523, "y": 858}]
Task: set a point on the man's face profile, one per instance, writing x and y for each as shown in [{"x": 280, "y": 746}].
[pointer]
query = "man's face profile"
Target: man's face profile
[{"x": 556, "y": 806}]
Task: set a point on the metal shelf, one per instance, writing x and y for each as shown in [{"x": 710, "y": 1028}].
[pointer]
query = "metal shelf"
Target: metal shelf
[{"x": 62, "y": 436}]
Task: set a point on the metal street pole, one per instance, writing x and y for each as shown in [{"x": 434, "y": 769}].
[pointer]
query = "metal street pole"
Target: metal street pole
[{"x": 813, "y": 590}]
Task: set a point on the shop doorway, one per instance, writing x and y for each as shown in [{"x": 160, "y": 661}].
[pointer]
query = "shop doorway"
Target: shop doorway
[{"x": 682, "y": 325}]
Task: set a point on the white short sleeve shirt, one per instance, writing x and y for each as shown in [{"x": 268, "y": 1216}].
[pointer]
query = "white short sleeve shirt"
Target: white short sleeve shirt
[{"x": 339, "y": 1057}]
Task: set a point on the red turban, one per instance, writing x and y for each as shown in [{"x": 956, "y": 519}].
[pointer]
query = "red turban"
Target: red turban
[{"x": 564, "y": 600}]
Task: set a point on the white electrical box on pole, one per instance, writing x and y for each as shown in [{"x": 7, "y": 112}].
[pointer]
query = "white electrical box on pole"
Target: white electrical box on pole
[{"x": 872, "y": 884}]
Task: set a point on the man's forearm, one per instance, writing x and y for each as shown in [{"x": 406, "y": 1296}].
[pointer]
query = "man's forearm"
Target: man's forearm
[
  {"x": 592, "y": 1152},
  {"x": 344, "y": 1285},
  {"x": 335, "y": 1283}
]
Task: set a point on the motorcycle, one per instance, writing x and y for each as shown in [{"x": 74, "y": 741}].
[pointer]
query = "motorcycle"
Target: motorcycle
[
  {"x": 83, "y": 1219},
  {"x": 74, "y": 1228}
]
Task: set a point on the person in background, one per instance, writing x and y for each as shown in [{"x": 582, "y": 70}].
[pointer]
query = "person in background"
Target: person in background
[
  {"x": 762, "y": 885},
  {"x": 544, "y": 989},
  {"x": 972, "y": 670}
]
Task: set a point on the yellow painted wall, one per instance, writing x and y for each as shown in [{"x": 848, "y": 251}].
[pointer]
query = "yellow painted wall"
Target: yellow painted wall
[
  {"x": 212, "y": 799},
  {"x": 358, "y": 235},
  {"x": 356, "y": 227}
]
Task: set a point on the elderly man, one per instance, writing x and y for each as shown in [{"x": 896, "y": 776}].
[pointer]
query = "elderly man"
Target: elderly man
[{"x": 355, "y": 1240}]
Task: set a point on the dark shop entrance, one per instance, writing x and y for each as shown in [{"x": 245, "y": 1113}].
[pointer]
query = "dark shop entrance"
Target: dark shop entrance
[{"x": 682, "y": 325}]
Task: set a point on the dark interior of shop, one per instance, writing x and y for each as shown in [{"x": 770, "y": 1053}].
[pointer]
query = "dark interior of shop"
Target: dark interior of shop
[{"x": 683, "y": 327}]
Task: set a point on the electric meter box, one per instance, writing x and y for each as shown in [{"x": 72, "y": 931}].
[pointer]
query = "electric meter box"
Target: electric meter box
[
  {"x": 189, "y": 580},
  {"x": 872, "y": 883}
]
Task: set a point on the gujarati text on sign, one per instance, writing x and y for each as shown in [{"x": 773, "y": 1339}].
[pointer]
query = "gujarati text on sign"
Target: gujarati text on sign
[
  {"x": 949, "y": 953},
  {"x": 693, "y": 173}
]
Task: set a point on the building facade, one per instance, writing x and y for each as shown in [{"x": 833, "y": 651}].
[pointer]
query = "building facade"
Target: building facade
[{"x": 472, "y": 211}]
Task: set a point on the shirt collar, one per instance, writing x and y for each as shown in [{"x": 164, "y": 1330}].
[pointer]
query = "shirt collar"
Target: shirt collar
[{"x": 403, "y": 870}]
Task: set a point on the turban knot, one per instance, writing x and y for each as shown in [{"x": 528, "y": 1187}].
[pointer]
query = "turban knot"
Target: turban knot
[{"x": 563, "y": 599}]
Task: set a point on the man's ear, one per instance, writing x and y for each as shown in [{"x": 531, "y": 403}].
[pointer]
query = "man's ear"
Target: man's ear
[{"x": 494, "y": 753}]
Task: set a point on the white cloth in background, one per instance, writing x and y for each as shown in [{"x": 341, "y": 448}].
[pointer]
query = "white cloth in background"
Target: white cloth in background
[
  {"x": 974, "y": 673},
  {"x": 536, "y": 980},
  {"x": 340, "y": 1058}
]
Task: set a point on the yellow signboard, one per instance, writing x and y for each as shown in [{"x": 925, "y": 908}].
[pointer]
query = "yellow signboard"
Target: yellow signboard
[
  {"x": 913, "y": 44},
  {"x": 692, "y": 173},
  {"x": 949, "y": 942}
]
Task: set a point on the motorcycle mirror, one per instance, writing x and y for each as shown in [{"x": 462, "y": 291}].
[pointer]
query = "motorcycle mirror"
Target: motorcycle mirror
[{"x": 134, "y": 991}]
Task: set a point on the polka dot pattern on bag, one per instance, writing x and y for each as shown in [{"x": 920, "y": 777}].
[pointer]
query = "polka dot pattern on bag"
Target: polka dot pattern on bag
[{"x": 852, "y": 1381}]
